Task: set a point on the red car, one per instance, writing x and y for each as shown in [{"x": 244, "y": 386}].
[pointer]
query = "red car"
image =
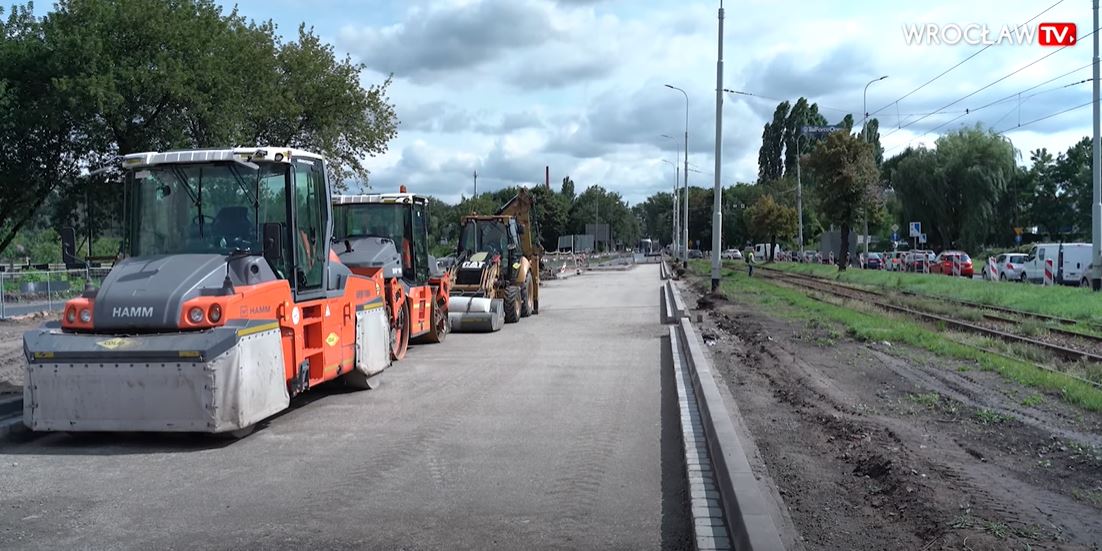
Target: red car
[{"x": 944, "y": 262}]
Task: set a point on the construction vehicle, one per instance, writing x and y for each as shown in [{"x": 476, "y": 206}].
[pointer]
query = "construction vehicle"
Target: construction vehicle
[
  {"x": 227, "y": 302},
  {"x": 386, "y": 235},
  {"x": 498, "y": 268}
]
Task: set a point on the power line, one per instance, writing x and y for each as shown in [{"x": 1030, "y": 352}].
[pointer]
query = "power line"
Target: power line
[
  {"x": 988, "y": 85},
  {"x": 965, "y": 60},
  {"x": 1046, "y": 117},
  {"x": 819, "y": 105},
  {"x": 1017, "y": 95},
  {"x": 1017, "y": 126}
]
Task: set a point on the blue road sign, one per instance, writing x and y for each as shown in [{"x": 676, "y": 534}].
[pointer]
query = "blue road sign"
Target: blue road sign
[
  {"x": 916, "y": 229},
  {"x": 895, "y": 236},
  {"x": 1017, "y": 239}
]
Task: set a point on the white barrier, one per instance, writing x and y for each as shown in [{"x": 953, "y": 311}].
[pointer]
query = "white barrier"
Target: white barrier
[{"x": 1050, "y": 274}]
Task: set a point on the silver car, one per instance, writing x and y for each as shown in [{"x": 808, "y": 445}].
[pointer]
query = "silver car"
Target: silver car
[{"x": 1008, "y": 267}]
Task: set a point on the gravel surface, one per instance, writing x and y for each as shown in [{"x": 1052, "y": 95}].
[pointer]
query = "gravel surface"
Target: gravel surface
[
  {"x": 878, "y": 446},
  {"x": 11, "y": 352},
  {"x": 559, "y": 432}
]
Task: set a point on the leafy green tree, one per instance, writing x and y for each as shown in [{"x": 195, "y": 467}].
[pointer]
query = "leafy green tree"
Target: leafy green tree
[
  {"x": 552, "y": 212},
  {"x": 38, "y": 122},
  {"x": 656, "y": 214},
  {"x": 770, "y": 166},
  {"x": 845, "y": 169},
  {"x": 770, "y": 220},
  {"x": 956, "y": 189},
  {"x": 568, "y": 189}
]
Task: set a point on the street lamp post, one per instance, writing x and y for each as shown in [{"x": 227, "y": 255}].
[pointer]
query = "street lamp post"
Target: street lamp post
[
  {"x": 865, "y": 132},
  {"x": 675, "y": 236},
  {"x": 685, "y": 218},
  {"x": 676, "y": 179},
  {"x": 717, "y": 194}
]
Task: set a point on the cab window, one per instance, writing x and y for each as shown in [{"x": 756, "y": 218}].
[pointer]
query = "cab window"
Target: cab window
[
  {"x": 420, "y": 243},
  {"x": 310, "y": 222}
]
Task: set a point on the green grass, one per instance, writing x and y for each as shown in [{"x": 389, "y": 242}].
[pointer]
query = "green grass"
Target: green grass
[
  {"x": 876, "y": 327},
  {"x": 989, "y": 417},
  {"x": 1094, "y": 497},
  {"x": 1033, "y": 400},
  {"x": 1067, "y": 302},
  {"x": 929, "y": 399}
]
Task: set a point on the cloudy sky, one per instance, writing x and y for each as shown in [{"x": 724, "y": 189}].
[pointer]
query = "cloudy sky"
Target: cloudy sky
[{"x": 506, "y": 87}]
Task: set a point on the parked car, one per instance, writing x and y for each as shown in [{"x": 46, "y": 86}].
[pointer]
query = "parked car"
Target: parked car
[
  {"x": 917, "y": 260},
  {"x": 696, "y": 253},
  {"x": 732, "y": 254},
  {"x": 1070, "y": 261},
  {"x": 1008, "y": 267},
  {"x": 874, "y": 261},
  {"x": 948, "y": 262},
  {"x": 761, "y": 252}
]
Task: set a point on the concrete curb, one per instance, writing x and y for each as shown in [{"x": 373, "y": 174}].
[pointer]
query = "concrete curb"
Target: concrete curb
[
  {"x": 745, "y": 509},
  {"x": 676, "y": 304},
  {"x": 710, "y": 527}
]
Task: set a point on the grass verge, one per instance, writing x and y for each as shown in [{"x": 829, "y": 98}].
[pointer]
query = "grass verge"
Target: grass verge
[
  {"x": 1067, "y": 302},
  {"x": 875, "y": 327}
]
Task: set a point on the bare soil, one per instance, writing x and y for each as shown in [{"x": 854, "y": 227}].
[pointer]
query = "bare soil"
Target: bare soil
[
  {"x": 881, "y": 446},
  {"x": 11, "y": 352}
]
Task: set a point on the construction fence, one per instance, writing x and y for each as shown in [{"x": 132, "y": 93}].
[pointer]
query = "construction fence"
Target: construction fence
[{"x": 24, "y": 292}]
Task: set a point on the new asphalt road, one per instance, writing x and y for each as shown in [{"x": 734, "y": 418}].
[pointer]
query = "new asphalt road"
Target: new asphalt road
[{"x": 559, "y": 432}]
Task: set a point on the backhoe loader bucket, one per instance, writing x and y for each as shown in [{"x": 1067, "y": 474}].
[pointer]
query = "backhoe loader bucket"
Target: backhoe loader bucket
[{"x": 476, "y": 315}]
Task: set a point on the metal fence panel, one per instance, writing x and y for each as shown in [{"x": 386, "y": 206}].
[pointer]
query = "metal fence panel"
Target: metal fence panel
[{"x": 26, "y": 292}]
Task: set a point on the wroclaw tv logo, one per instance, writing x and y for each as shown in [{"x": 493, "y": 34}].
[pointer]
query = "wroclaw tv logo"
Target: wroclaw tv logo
[{"x": 976, "y": 34}]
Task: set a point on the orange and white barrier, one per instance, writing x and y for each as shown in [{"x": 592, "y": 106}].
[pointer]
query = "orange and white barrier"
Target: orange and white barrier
[
  {"x": 992, "y": 269},
  {"x": 1050, "y": 274}
]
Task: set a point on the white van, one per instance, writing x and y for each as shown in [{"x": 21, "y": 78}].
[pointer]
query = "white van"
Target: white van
[
  {"x": 1071, "y": 262},
  {"x": 761, "y": 252}
]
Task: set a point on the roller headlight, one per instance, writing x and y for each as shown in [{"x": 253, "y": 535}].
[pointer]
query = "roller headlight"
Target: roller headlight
[
  {"x": 195, "y": 315},
  {"x": 85, "y": 316},
  {"x": 71, "y": 315},
  {"x": 215, "y": 313}
]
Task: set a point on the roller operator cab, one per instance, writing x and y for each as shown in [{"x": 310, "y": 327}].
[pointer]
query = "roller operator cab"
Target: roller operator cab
[
  {"x": 226, "y": 302},
  {"x": 386, "y": 235}
]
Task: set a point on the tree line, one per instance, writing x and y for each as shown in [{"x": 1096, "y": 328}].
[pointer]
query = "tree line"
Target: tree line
[{"x": 968, "y": 190}]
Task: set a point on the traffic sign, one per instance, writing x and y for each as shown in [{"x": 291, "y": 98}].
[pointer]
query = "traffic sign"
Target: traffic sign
[
  {"x": 895, "y": 228},
  {"x": 1018, "y": 239},
  {"x": 916, "y": 229},
  {"x": 1018, "y": 231},
  {"x": 922, "y": 238},
  {"x": 895, "y": 235}
]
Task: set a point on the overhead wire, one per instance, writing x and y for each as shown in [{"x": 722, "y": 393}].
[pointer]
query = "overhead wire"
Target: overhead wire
[{"x": 962, "y": 62}]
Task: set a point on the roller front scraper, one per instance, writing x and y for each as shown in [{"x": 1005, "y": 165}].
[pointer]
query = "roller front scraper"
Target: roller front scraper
[{"x": 476, "y": 315}]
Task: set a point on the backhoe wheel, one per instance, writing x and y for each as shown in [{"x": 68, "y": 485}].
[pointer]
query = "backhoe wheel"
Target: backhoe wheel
[
  {"x": 441, "y": 324},
  {"x": 512, "y": 304},
  {"x": 399, "y": 334},
  {"x": 526, "y": 297}
]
